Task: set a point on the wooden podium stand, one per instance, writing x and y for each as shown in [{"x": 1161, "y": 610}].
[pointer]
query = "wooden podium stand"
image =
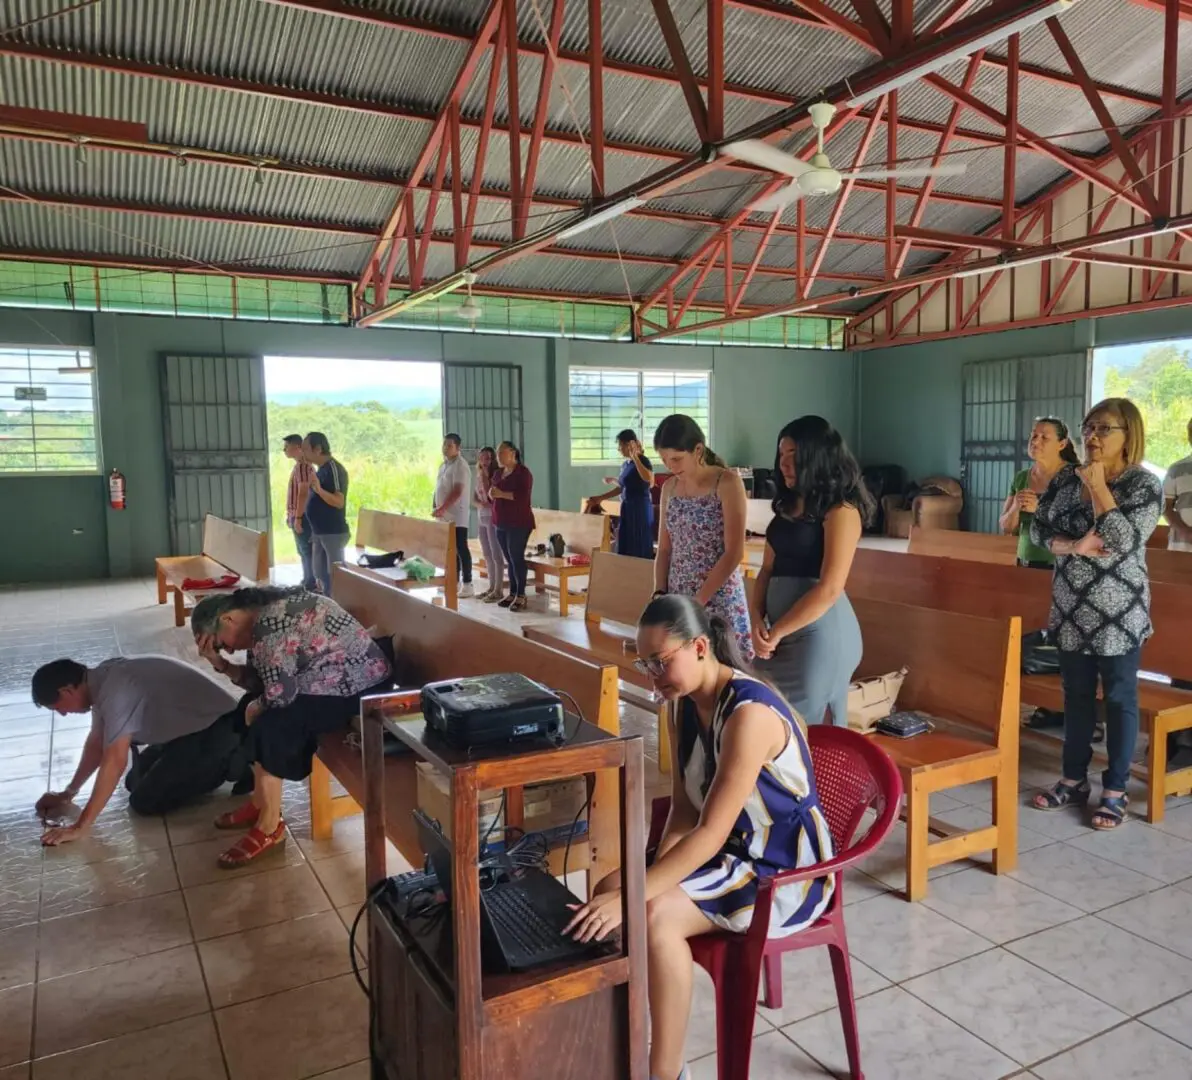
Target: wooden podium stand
[{"x": 436, "y": 1015}]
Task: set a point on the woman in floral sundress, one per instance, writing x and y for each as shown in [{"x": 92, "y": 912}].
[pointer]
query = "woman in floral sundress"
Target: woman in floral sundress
[{"x": 701, "y": 534}]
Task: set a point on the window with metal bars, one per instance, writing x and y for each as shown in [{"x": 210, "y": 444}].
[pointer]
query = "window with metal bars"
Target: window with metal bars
[
  {"x": 605, "y": 401},
  {"x": 47, "y": 411}
]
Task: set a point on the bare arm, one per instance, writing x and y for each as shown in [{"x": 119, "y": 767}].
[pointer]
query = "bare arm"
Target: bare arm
[
  {"x": 663, "y": 557},
  {"x": 757, "y": 605},
  {"x": 452, "y": 498},
  {"x": 646, "y": 474},
  {"x": 1175, "y": 523},
  {"x": 88, "y": 763},
  {"x": 683, "y": 815},
  {"x": 1009, "y": 517},
  {"x": 733, "y": 503},
  {"x": 842, "y": 534},
  {"x": 112, "y": 764}
]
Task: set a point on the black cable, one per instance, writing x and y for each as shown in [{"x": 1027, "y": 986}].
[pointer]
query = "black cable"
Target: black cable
[
  {"x": 373, "y": 894},
  {"x": 571, "y": 834}
]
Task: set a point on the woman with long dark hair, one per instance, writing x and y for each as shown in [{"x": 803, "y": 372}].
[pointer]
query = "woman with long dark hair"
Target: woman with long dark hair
[
  {"x": 1096, "y": 519},
  {"x": 309, "y": 662},
  {"x": 701, "y": 534},
  {"x": 494, "y": 558},
  {"x": 513, "y": 514},
  {"x": 744, "y": 806},
  {"x": 806, "y": 636},
  {"x": 1050, "y": 449},
  {"x": 635, "y": 527}
]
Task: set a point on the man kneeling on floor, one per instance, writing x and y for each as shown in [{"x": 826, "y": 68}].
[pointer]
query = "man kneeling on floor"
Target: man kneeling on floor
[{"x": 179, "y": 724}]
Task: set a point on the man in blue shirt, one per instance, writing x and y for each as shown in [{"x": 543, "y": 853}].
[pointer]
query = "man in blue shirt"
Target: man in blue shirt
[{"x": 326, "y": 508}]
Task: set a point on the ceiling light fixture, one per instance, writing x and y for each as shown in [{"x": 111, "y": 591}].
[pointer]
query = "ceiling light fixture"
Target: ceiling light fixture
[
  {"x": 600, "y": 217},
  {"x": 930, "y": 67}
]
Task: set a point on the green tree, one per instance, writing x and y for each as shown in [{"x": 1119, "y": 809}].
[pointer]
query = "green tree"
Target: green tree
[{"x": 1160, "y": 384}]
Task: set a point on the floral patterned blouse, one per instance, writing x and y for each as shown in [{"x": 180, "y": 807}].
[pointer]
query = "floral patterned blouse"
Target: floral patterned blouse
[
  {"x": 308, "y": 644},
  {"x": 1100, "y": 606}
]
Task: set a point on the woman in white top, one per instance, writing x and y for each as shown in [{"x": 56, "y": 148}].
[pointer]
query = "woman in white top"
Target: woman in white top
[{"x": 494, "y": 561}]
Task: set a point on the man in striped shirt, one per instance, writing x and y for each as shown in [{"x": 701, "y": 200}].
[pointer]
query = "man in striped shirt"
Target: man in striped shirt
[{"x": 297, "y": 492}]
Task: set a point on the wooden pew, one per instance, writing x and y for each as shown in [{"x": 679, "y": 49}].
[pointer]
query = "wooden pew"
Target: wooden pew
[
  {"x": 432, "y": 643},
  {"x": 1003, "y": 591},
  {"x": 618, "y": 591},
  {"x": 964, "y": 670},
  {"x": 227, "y": 547},
  {"x": 432, "y": 540}
]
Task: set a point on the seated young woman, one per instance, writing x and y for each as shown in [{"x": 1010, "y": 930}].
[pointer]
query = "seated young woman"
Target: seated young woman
[
  {"x": 309, "y": 662},
  {"x": 744, "y": 806}
]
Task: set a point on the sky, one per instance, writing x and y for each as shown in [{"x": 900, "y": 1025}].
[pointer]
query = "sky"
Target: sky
[{"x": 295, "y": 374}]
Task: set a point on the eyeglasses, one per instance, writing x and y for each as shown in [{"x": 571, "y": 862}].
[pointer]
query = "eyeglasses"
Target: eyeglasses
[
  {"x": 1100, "y": 430},
  {"x": 655, "y": 666}
]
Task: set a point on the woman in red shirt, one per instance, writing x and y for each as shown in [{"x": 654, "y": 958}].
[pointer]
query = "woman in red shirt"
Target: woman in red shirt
[{"x": 514, "y": 519}]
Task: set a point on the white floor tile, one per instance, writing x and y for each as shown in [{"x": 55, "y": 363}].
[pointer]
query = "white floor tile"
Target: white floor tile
[
  {"x": 1130, "y": 1052},
  {"x": 1079, "y": 878},
  {"x": 996, "y": 906}
]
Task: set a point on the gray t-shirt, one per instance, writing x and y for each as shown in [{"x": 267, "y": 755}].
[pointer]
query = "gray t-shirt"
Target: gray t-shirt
[
  {"x": 153, "y": 699},
  {"x": 456, "y": 471}
]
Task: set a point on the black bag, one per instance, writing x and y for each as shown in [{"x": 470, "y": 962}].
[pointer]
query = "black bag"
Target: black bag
[
  {"x": 557, "y": 546},
  {"x": 1039, "y": 654},
  {"x": 381, "y": 562}
]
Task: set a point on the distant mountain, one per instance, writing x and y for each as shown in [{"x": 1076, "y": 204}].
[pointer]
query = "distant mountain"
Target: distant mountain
[{"x": 398, "y": 398}]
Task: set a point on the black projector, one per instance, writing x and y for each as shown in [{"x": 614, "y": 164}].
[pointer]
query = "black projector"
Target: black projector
[{"x": 487, "y": 710}]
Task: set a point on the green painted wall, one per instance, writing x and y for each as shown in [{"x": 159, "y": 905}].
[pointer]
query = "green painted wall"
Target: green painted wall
[{"x": 755, "y": 391}]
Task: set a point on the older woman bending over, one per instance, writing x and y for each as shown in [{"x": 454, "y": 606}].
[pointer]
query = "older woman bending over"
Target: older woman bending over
[{"x": 309, "y": 662}]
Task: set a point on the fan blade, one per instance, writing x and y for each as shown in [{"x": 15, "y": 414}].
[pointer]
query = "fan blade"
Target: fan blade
[
  {"x": 780, "y": 200},
  {"x": 765, "y": 156},
  {"x": 957, "y": 169}
]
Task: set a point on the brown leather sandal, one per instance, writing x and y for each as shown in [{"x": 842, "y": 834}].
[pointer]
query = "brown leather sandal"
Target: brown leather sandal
[{"x": 250, "y": 845}]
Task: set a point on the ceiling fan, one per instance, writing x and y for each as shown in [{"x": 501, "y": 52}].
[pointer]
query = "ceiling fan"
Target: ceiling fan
[
  {"x": 816, "y": 177},
  {"x": 469, "y": 310}
]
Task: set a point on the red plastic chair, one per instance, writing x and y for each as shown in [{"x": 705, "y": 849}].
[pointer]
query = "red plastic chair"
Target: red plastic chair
[{"x": 852, "y": 774}]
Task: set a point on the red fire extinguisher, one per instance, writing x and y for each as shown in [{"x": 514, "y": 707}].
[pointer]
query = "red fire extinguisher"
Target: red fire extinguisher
[{"x": 116, "y": 490}]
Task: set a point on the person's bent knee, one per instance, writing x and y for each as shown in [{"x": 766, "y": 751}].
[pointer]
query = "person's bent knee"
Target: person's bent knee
[
  {"x": 144, "y": 804},
  {"x": 660, "y": 911}
]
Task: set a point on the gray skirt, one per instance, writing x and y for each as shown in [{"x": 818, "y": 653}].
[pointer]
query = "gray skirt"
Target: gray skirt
[{"x": 813, "y": 666}]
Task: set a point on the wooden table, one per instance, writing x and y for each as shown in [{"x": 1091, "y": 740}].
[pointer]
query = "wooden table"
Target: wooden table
[{"x": 437, "y": 1014}]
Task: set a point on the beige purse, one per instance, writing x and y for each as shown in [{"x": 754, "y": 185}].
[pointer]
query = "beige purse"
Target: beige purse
[{"x": 871, "y": 700}]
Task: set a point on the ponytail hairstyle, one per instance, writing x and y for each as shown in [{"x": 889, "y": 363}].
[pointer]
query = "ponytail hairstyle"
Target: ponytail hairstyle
[
  {"x": 1068, "y": 454},
  {"x": 681, "y": 433},
  {"x": 517, "y": 455},
  {"x": 685, "y": 619}
]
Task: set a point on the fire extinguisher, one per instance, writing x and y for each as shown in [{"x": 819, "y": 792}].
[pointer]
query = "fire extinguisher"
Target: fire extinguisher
[{"x": 116, "y": 490}]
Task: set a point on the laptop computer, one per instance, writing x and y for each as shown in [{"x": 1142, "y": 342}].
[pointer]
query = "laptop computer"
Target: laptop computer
[{"x": 522, "y": 915}]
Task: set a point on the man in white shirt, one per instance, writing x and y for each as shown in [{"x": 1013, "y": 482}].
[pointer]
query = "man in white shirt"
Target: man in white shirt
[
  {"x": 453, "y": 503},
  {"x": 1177, "y": 502}
]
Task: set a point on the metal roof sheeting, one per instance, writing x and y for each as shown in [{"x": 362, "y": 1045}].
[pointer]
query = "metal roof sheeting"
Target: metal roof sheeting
[{"x": 379, "y": 69}]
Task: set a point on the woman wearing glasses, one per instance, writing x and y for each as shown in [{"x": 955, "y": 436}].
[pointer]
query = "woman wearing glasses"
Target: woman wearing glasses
[
  {"x": 1096, "y": 519},
  {"x": 744, "y": 805},
  {"x": 1050, "y": 449}
]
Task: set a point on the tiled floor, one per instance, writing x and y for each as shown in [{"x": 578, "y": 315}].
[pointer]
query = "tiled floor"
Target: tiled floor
[{"x": 130, "y": 954}]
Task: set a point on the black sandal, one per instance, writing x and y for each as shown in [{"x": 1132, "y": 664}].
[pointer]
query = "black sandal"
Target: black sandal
[
  {"x": 1112, "y": 812},
  {"x": 1062, "y": 795}
]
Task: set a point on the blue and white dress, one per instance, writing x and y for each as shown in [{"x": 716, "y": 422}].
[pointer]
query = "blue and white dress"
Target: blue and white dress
[{"x": 781, "y": 826}]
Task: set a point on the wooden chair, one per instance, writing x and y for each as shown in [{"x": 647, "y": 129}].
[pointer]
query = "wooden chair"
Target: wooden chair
[
  {"x": 434, "y": 541},
  {"x": 432, "y": 643},
  {"x": 619, "y": 589},
  {"x": 227, "y": 548},
  {"x": 963, "y": 671}
]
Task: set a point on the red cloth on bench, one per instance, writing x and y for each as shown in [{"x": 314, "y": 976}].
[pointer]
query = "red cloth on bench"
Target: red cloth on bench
[{"x": 192, "y": 584}]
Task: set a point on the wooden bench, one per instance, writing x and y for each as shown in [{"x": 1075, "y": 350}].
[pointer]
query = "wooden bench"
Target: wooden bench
[
  {"x": 1003, "y": 591},
  {"x": 963, "y": 670},
  {"x": 227, "y": 548},
  {"x": 618, "y": 591},
  {"x": 1163, "y": 565},
  {"x": 433, "y": 541},
  {"x": 432, "y": 643}
]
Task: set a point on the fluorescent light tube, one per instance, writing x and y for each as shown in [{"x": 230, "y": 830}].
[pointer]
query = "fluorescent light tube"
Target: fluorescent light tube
[
  {"x": 600, "y": 217},
  {"x": 1009, "y": 264},
  {"x": 961, "y": 52}
]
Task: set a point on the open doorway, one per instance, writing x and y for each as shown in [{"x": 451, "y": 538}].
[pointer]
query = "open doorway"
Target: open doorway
[{"x": 383, "y": 419}]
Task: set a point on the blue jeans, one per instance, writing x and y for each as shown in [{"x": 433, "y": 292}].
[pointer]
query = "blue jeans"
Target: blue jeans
[
  {"x": 1119, "y": 686},
  {"x": 327, "y": 549},
  {"x": 303, "y": 544}
]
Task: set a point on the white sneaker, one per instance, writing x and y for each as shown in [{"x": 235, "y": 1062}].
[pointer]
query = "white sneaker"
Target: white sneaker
[{"x": 466, "y": 592}]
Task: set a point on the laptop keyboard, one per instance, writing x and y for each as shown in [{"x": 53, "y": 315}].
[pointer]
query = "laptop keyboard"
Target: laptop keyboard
[{"x": 520, "y": 921}]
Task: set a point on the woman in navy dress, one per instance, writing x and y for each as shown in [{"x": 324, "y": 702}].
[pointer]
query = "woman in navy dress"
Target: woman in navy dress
[
  {"x": 635, "y": 532},
  {"x": 744, "y": 806}
]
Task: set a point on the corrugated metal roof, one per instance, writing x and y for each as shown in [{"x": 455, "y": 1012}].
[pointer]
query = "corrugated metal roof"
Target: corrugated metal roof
[{"x": 384, "y": 67}]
